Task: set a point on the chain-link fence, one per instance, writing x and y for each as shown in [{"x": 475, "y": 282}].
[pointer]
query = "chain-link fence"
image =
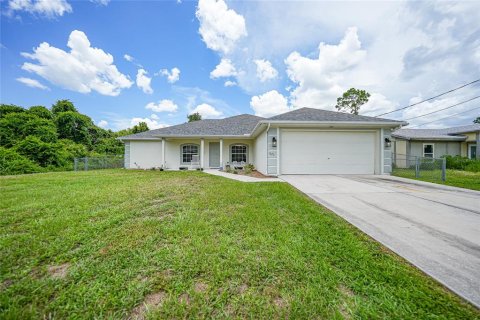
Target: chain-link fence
[
  {"x": 419, "y": 167},
  {"x": 95, "y": 163}
]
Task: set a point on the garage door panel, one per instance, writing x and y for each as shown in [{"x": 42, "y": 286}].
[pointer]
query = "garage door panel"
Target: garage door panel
[{"x": 317, "y": 152}]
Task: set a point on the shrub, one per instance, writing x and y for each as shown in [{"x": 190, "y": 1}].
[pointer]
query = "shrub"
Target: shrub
[
  {"x": 13, "y": 163},
  {"x": 43, "y": 153},
  {"x": 462, "y": 163}
]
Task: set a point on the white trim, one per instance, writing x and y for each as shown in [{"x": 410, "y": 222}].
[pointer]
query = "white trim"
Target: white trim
[
  {"x": 163, "y": 153},
  {"x": 382, "y": 152},
  {"x": 202, "y": 151},
  {"x": 469, "y": 149},
  {"x": 278, "y": 151},
  {"x": 221, "y": 153},
  {"x": 433, "y": 149}
]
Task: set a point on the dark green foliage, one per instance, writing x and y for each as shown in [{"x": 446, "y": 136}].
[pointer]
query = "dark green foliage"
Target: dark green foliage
[
  {"x": 462, "y": 163},
  {"x": 9, "y": 108},
  {"x": 194, "y": 117},
  {"x": 16, "y": 126},
  {"x": 41, "y": 111},
  {"x": 63, "y": 106},
  {"x": 352, "y": 100},
  {"x": 477, "y": 120},
  {"x": 13, "y": 163},
  {"x": 42, "y": 140},
  {"x": 141, "y": 127},
  {"x": 44, "y": 153},
  {"x": 74, "y": 126}
]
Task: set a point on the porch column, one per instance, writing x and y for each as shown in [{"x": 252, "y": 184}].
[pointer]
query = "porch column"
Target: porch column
[
  {"x": 478, "y": 145},
  {"x": 202, "y": 148},
  {"x": 163, "y": 153},
  {"x": 221, "y": 153}
]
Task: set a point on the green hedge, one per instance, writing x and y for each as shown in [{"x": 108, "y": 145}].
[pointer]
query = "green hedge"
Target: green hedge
[
  {"x": 12, "y": 162},
  {"x": 462, "y": 163}
]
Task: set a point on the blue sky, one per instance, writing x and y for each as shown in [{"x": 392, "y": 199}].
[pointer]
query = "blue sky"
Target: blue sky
[{"x": 122, "y": 62}]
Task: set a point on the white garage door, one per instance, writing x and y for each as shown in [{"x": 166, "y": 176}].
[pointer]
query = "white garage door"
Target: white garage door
[{"x": 327, "y": 152}]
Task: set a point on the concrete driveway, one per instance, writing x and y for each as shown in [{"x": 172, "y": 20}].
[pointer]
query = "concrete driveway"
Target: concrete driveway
[{"x": 436, "y": 228}]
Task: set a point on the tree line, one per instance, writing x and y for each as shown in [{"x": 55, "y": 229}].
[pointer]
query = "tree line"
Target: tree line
[{"x": 39, "y": 139}]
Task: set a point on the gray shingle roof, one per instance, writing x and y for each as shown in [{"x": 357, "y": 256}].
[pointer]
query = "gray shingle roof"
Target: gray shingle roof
[
  {"x": 311, "y": 114},
  {"x": 453, "y": 134},
  {"x": 244, "y": 124},
  {"x": 232, "y": 126}
]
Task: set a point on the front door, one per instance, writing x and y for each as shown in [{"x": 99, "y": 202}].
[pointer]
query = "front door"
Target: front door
[{"x": 214, "y": 154}]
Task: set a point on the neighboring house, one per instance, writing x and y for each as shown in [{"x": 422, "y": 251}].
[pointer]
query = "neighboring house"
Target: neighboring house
[
  {"x": 434, "y": 143},
  {"x": 303, "y": 141}
]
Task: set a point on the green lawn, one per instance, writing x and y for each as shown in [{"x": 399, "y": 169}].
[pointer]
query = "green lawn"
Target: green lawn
[
  {"x": 455, "y": 178},
  {"x": 117, "y": 244}
]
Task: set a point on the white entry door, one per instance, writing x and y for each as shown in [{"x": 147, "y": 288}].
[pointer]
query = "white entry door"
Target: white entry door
[{"x": 327, "y": 152}]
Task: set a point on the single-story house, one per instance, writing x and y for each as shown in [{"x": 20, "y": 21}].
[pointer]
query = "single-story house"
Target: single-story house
[
  {"x": 435, "y": 143},
  {"x": 302, "y": 141}
]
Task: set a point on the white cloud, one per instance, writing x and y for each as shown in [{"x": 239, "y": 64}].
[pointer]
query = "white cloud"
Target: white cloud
[
  {"x": 319, "y": 80},
  {"x": 102, "y": 124},
  {"x": 172, "y": 76},
  {"x": 163, "y": 106},
  {"x": 269, "y": 104},
  {"x": 224, "y": 69},
  {"x": 151, "y": 123},
  {"x": 207, "y": 111},
  {"x": 154, "y": 116},
  {"x": 230, "y": 83},
  {"x": 128, "y": 57},
  {"x": 46, "y": 8},
  {"x": 143, "y": 81},
  {"x": 32, "y": 83},
  {"x": 220, "y": 27},
  {"x": 265, "y": 70},
  {"x": 83, "y": 69},
  {"x": 101, "y": 2}
]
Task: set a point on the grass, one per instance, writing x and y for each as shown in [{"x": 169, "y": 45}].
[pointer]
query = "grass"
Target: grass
[
  {"x": 118, "y": 244},
  {"x": 455, "y": 178}
]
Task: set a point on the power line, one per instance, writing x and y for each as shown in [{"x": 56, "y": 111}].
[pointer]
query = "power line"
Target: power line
[
  {"x": 457, "y": 104},
  {"x": 456, "y": 114},
  {"x": 439, "y": 95}
]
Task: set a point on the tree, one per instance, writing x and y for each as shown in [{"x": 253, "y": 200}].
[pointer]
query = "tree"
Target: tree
[
  {"x": 477, "y": 120},
  {"x": 43, "y": 153},
  {"x": 140, "y": 127},
  {"x": 63, "y": 106},
  {"x": 16, "y": 126},
  {"x": 9, "y": 108},
  {"x": 12, "y": 162},
  {"x": 194, "y": 117},
  {"x": 352, "y": 100},
  {"x": 41, "y": 111},
  {"x": 74, "y": 126}
]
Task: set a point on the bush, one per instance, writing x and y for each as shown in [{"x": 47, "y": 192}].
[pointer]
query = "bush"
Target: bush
[
  {"x": 462, "y": 163},
  {"x": 43, "y": 153},
  {"x": 13, "y": 163}
]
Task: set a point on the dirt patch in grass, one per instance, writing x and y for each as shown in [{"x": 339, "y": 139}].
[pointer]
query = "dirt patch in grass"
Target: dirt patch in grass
[
  {"x": 59, "y": 272},
  {"x": 346, "y": 301},
  {"x": 6, "y": 283},
  {"x": 153, "y": 300},
  {"x": 280, "y": 303},
  {"x": 184, "y": 299},
  {"x": 242, "y": 289},
  {"x": 200, "y": 287}
]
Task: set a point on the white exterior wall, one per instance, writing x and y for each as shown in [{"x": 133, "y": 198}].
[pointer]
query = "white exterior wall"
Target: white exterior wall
[
  {"x": 145, "y": 154},
  {"x": 260, "y": 152},
  {"x": 173, "y": 154}
]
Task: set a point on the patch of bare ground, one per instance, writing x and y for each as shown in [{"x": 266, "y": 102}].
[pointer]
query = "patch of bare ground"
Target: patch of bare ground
[
  {"x": 345, "y": 303},
  {"x": 184, "y": 299},
  {"x": 6, "y": 283},
  {"x": 200, "y": 287},
  {"x": 59, "y": 272},
  {"x": 242, "y": 289},
  {"x": 153, "y": 300},
  {"x": 280, "y": 303}
]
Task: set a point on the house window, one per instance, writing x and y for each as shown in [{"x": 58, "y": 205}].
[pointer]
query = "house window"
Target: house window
[
  {"x": 472, "y": 151},
  {"x": 187, "y": 151},
  {"x": 238, "y": 152},
  {"x": 428, "y": 150}
]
